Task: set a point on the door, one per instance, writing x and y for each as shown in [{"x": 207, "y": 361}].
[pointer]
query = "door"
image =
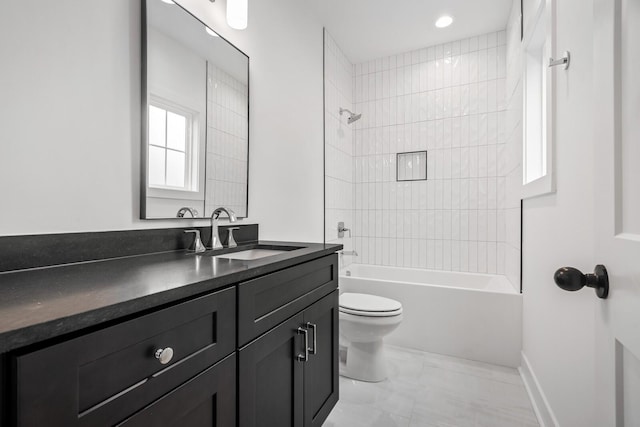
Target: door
[
  {"x": 270, "y": 385},
  {"x": 617, "y": 173},
  {"x": 321, "y": 370}
]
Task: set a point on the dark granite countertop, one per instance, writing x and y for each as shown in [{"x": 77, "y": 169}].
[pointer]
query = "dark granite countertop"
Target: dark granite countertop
[{"x": 43, "y": 303}]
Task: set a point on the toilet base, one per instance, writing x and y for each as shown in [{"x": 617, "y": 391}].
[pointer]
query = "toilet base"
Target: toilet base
[{"x": 365, "y": 362}]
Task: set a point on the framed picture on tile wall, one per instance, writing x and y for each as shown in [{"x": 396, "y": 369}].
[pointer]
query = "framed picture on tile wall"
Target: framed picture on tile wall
[{"x": 411, "y": 166}]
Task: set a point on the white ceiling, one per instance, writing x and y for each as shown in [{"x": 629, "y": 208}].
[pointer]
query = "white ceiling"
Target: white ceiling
[{"x": 368, "y": 29}]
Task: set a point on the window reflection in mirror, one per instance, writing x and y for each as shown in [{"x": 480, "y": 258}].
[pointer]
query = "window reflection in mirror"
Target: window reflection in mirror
[
  {"x": 173, "y": 147},
  {"x": 195, "y": 90}
]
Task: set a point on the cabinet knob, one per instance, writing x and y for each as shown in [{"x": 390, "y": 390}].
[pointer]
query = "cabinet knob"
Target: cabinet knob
[
  {"x": 164, "y": 355},
  {"x": 572, "y": 279}
]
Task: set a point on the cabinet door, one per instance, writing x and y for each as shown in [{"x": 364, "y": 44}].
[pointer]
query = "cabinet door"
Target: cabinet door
[
  {"x": 268, "y": 300},
  {"x": 4, "y": 391},
  {"x": 103, "y": 377},
  {"x": 208, "y": 400},
  {"x": 270, "y": 387},
  {"x": 321, "y": 371}
]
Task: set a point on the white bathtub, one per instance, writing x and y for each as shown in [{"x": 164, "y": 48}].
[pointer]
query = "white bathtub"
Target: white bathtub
[{"x": 467, "y": 315}]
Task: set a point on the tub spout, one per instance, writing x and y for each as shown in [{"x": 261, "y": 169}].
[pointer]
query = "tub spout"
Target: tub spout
[{"x": 352, "y": 253}]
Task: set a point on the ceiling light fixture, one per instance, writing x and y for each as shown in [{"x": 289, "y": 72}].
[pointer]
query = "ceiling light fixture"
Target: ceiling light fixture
[
  {"x": 168, "y": 1},
  {"x": 237, "y": 11},
  {"x": 444, "y": 21}
]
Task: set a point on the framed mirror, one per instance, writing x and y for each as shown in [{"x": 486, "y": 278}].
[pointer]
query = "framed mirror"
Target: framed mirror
[{"x": 195, "y": 117}]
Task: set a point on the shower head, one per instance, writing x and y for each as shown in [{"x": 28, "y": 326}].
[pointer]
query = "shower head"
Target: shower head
[{"x": 352, "y": 117}]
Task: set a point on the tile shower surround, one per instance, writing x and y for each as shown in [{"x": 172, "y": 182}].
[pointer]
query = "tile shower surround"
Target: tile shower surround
[
  {"x": 338, "y": 74},
  {"x": 227, "y": 145},
  {"x": 448, "y": 99},
  {"x": 511, "y": 163}
]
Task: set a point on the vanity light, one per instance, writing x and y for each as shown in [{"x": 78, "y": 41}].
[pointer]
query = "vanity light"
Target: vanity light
[
  {"x": 444, "y": 21},
  {"x": 237, "y": 14},
  {"x": 211, "y": 32}
]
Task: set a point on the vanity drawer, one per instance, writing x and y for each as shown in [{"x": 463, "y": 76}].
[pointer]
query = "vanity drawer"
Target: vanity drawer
[
  {"x": 208, "y": 400},
  {"x": 269, "y": 300},
  {"x": 105, "y": 376}
]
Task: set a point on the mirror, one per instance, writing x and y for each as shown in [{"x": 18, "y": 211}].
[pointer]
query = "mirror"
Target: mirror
[{"x": 195, "y": 130}]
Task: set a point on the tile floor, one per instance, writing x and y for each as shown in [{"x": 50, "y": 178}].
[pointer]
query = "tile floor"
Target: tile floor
[{"x": 431, "y": 390}]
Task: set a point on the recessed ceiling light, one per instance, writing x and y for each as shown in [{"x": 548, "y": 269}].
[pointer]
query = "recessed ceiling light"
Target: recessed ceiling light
[
  {"x": 211, "y": 32},
  {"x": 444, "y": 21},
  {"x": 168, "y": 1}
]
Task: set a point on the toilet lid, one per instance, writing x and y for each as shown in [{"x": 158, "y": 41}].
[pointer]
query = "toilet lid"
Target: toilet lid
[{"x": 369, "y": 305}]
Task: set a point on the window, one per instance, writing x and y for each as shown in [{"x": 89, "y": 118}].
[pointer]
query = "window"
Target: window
[
  {"x": 172, "y": 147},
  {"x": 537, "y": 167}
]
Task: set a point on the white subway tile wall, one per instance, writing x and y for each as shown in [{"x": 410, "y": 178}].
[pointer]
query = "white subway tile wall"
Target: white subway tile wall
[
  {"x": 338, "y": 80},
  {"x": 227, "y": 142},
  {"x": 450, "y": 100},
  {"x": 510, "y": 159}
]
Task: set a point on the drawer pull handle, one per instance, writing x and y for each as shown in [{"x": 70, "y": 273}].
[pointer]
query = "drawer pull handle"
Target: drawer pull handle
[
  {"x": 313, "y": 327},
  {"x": 164, "y": 355},
  {"x": 304, "y": 357}
]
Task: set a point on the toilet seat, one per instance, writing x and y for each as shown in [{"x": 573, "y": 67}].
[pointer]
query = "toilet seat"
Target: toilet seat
[{"x": 369, "y": 305}]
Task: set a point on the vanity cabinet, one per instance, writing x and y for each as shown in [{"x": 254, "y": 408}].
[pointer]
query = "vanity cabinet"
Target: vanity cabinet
[
  {"x": 103, "y": 378},
  {"x": 263, "y": 352},
  {"x": 207, "y": 400},
  {"x": 321, "y": 369},
  {"x": 289, "y": 376},
  {"x": 266, "y": 301}
]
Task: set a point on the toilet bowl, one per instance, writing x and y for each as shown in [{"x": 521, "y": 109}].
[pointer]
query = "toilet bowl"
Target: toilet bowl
[{"x": 364, "y": 321}]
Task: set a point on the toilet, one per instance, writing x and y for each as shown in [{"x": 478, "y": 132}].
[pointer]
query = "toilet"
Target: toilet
[{"x": 364, "y": 321}]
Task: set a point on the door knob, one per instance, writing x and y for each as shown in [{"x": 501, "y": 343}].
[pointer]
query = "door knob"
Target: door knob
[{"x": 572, "y": 279}]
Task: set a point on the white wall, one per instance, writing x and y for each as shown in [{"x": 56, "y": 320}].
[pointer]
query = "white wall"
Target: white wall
[
  {"x": 284, "y": 43},
  {"x": 558, "y": 338},
  {"x": 448, "y": 99},
  {"x": 70, "y": 116}
]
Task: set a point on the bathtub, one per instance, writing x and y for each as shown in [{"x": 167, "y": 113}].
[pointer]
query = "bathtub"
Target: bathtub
[{"x": 467, "y": 315}]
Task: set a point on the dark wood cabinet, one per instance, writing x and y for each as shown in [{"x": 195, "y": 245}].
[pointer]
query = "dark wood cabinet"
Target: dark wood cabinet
[
  {"x": 321, "y": 371},
  {"x": 101, "y": 378},
  {"x": 266, "y": 301},
  {"x": 4, "y": 392},
  {"x": 208, "y": 400},
  {"x": 263, "y": 352},
  {"x": 270, "y": 380},
  {"x": 283, "y": 384}
]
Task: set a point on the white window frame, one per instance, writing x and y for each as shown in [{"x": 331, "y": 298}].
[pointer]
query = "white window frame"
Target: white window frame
[
  {"x": 191, "y": 188},
  {"x": 536, "y": 53}
]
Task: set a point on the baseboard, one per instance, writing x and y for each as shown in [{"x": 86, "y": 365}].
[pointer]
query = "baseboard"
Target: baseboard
[{"x": 541, "y": 407}]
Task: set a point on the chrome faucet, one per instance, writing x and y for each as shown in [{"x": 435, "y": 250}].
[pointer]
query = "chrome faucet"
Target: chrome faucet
[
  {"x": 351, "y": 253},
  {"x": 184, "y": 210},
  {"x": 215, "y": 237}
]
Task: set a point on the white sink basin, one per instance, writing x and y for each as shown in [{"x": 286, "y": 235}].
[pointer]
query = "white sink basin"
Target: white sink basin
[{"x": 251, "y": 254}]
